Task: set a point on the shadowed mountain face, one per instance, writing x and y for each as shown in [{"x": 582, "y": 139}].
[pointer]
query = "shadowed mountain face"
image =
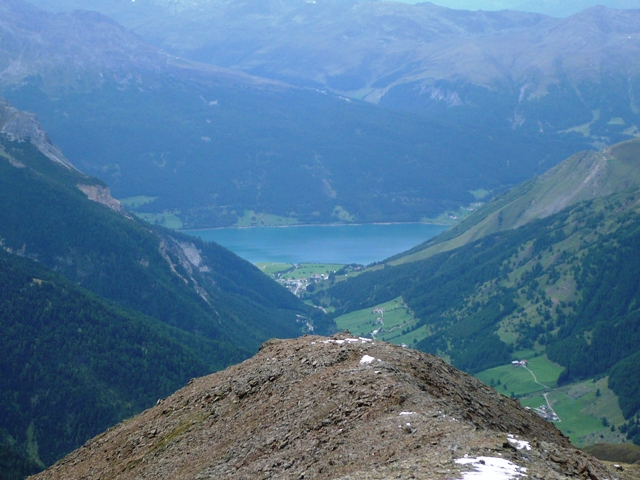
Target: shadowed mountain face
[{"x": 323, "y": 408}]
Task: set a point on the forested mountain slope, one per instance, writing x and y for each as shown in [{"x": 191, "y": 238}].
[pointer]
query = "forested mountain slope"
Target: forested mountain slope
[
  {"x": 197, "y": 286},
  {"x": 205, "y": 146},
  {"x": 74, "y": 364},
  {"x": 564, "y": 285},
  {"x": 102, "y": 314}
]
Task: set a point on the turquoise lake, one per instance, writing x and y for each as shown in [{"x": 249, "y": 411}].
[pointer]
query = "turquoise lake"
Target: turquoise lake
[{"x": 362, "y": 244}]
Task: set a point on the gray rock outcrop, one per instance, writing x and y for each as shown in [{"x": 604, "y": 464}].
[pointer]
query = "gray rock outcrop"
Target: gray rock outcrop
[{"x": 332, "y": 408}]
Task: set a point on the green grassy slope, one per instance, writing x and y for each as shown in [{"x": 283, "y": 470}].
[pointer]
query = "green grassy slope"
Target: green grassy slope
[
  {"x": 615, "y": 453},
  {"x": 583, "y": 176},
  {"x": 390, "y": 321},
  {"x": 564, "y": 285}
]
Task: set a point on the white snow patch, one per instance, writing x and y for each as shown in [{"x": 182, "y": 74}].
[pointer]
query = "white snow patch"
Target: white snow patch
[
  {"x": 348, "y": 340},
  {"x": 520, "y": 444},
  {"x": 366, "y": 360},
  {"x": 490, "y": 468},
  {"x": 407, "y": 413}
]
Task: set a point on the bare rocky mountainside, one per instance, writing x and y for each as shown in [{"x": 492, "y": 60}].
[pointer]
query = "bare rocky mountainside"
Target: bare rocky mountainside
[
  {"x": 339, "y": 407},
  {"x": 24, "y": 126}
]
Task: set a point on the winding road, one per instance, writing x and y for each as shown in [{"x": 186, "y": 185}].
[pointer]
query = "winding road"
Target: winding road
[{"x": 545, "y": 395}]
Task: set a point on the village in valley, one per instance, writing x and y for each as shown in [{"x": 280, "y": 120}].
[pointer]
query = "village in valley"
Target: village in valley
[
  {"x": 299, "y": 278},
  {"x": 545, "y": 411},
  {"x": 577, "y": 409}
]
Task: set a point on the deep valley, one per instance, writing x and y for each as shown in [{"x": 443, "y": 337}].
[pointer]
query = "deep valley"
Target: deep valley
[{"x": 504, "y": 340}]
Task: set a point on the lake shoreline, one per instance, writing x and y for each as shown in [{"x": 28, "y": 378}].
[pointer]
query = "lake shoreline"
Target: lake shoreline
[
  {"x": 438, "y": 224},
  {"x": 345, "y": 244}
]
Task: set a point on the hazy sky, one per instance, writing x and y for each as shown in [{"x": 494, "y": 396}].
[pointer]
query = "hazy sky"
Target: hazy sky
[{"x": 549, "y": 7}]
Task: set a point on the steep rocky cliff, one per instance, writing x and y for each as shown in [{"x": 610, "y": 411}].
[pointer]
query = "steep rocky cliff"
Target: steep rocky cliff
[
  {"x": 24, "y": 126},
  {"x": 19, "y": 126},
  {"x": 338, "y": 407}
]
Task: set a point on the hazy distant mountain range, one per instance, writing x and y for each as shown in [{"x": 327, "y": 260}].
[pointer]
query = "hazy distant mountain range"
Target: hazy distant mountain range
[
  {"x": 509, "y": 68},
  {"x": 548, "y": 7},
  {"x": 207, "y": 145}
]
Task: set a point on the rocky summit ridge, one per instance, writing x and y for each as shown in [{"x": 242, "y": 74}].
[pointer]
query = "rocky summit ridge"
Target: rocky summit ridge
[{"x": 339, "y": 408}]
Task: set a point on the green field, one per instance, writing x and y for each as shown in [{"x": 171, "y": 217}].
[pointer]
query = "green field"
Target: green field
[
  {"x": 397, "y": 319},
  {"x": 508, "y": 379},
  {"x": 580, "y": 406},
  {"x": 135, "y": 202},
  {"x": 480, "y": 193},
  {"x": 301, "y": 270},
  {"x": 271, "y": 268},
  {"x": 167, "y": 219},
  {"x": 305, "y": 270},
  {"x": 253, "y": 219},
  {"x": 343, "y": 215}
]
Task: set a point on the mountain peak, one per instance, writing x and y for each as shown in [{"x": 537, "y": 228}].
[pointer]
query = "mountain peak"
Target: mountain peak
[{"x": 339, "y": 407}]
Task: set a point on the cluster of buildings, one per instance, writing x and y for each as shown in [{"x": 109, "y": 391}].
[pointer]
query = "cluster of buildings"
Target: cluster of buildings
[
  {"x": 547, "y": 413},
  {"x": 299, "y": 285}
]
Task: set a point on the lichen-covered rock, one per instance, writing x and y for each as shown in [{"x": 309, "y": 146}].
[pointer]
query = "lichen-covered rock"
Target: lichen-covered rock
[{"x": 339, "y": 408}]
